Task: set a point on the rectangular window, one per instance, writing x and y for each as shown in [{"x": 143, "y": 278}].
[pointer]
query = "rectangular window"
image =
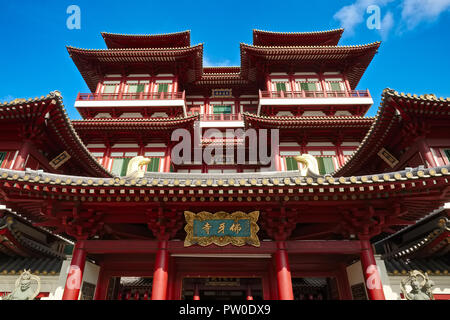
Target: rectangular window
[
  {"x": 109, "y": 91},
  {"x": 281, "y": 86},
  {"x": 447, "y": 154},
  {"x": 110, "y": 88},
  {"x": 136, "y": 88},
  {"x": 120, "y": 166},
  {"x": 2, "y": 158},
  {"x": 308, "y": 86},
  {"x": 221, "y": 109},
  {"x": 325, "y": 165},
  {"x": 163, "y": 87},
  {"x": 153, "y": 166},
  {"x": 335, "y": 86},
  {"x": 291, "y": 164}
]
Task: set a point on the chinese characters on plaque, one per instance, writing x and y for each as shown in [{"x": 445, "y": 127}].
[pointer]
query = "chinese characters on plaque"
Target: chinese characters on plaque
[
  {"x": 222, "y": 93},
  {"x": 60, "y": 160},
  {"x": 221, "y": 228},
  {"x": 388, "y": 157}
]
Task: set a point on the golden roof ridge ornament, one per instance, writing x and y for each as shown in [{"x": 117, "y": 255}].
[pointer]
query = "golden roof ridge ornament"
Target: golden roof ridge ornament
[
  {"x": 135, "y": 167},
  {"x": 307, "y": 165}
]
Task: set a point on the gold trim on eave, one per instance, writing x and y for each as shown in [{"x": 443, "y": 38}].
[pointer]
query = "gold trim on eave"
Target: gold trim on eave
[{"x": 218, "y": 240}]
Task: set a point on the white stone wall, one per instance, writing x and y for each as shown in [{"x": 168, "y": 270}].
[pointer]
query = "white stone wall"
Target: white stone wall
[
  {"x": 90, "y": 275},
  {"x": 355, "y": 274}
]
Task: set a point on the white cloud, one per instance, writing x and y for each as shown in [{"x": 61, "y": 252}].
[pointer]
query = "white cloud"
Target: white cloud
[
  {"x": 208, "y": 63},
  {"x": 416, "y": 11},
  {"x": 386, "y": 25},
  {"x": 412, "y": 13},
  {"x": 352, "y": 15}
]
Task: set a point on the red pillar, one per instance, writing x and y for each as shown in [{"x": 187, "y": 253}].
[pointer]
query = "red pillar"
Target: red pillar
[
  {"x": 19, "y": 164},
  {"x": 160, "y": 275},
  {"x": 278, "y": 160},
  {"x": 370, "y": 271},
  {"x": 283, "y": 272},
  {"x": 249, "y": 293},
  {"x": 340, "y": 155},
  {"x": 196, "y": 292},
  {"x": 269, "y": 85},
  {"x": 106, "y": 157},
  {"x": 171, "y": 279},
  {"x": 426, "y": 152},
  {"x": 75, "y": 275},
  {"x": 167, "y": 158}
]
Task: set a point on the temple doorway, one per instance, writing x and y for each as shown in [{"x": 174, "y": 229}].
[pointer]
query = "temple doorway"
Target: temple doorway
[
  {"x": 315, "y": 289},
  {"x": 222, "y": 288},
  {"x": 130, "y": 288}
]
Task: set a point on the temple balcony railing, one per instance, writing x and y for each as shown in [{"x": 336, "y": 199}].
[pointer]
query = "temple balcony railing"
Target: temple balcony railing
[
  {"x": 314, "y": 94},
  {"x": 222, "y": 120},
  {"x": 221, "y": 117},
  {"x": 139, "y": 99},
  {"x": 314, "y": 98},
  {"x": 131, "y": 96}
]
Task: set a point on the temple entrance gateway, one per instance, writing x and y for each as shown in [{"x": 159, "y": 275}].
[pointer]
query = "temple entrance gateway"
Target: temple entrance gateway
[
  {"x": 222, "y": 288},
  {"x": 315, "y": 289},
  {"x": 129, "y": 288}
]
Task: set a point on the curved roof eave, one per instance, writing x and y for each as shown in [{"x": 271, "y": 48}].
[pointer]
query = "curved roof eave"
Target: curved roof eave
[
  {"x": 386, "y": 118},
  {"x": 68, "y": 136},
  {"x": 118, "y": 40},
  {"x": 329, "y": 37}
]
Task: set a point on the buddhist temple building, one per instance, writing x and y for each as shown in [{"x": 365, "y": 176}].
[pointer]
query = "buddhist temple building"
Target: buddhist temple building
[{"x": 285, "y": 189}]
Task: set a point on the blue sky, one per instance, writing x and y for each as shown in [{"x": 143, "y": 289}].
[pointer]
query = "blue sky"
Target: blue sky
[{"x": 413, "y": 57}]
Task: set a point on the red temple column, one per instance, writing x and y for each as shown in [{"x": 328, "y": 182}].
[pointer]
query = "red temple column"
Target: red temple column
[
  {"x": 24, "y": 151},
  {"x": 370, "y": 271},
  {"x": 426, "y": 152},
  {"x": 167, "y": 158},
  {"x": 249, "y": 293},
  {"x": 283, "y": 270},
  {"x": 75, "y": 275},
  {"x": 160, "y": 275},
  {"x": 278, "y": 159},
  {"x": 269, "y": 85},
  {"x": 106, "y": 156},
  {"x": 196, "y": 292}
]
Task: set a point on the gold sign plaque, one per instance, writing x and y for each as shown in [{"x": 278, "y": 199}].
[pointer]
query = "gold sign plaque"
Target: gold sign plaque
[
  {"x": 388, "y": 157},
  {"x": 221, "y": 228},
  {"x": 60, "y": 160},
  {"x": 222, "y": 93}
]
